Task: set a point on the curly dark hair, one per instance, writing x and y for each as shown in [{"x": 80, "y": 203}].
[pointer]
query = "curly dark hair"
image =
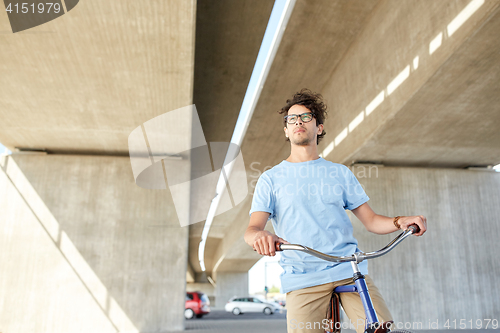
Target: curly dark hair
[{"x": 312, "y": 101}]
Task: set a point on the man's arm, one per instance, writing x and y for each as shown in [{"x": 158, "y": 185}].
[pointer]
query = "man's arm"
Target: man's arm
[
  {"x": 261, "y": 240},
  {"x": 382, "y": 225}
]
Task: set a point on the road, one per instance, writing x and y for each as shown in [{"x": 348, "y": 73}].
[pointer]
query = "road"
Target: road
[{"x": 222, "y": 321}]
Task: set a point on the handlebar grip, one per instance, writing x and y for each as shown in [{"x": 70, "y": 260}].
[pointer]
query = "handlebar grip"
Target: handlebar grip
[
  {"x": 277, "y": 246},
  {"x": 415, "y": 228}
]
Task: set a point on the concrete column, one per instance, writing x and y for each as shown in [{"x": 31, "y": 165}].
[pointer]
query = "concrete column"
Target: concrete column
[
  {"x": 230, "y": 284},
  {"x": 83, "y": 249},
  {"x": 450, "y": 273}
]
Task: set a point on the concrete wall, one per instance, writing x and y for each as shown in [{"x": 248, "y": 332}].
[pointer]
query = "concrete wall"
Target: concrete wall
[
  {"x": 83, "y": 249},
  {"x": 230, "y": 284},
  {"x": 452, "y": 271}
]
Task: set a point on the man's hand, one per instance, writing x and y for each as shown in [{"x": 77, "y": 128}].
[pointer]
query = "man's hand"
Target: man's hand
[
  {"x": 420, "y": 220},
  {"x": 261, "y": 240},
  {"x": 264, "y": 243}
]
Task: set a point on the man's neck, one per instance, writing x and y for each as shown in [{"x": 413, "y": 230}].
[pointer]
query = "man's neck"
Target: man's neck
[{"x": 303, "y": 153}]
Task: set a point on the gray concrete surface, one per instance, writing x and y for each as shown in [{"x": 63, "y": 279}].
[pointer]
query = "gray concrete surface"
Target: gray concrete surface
[
  {"x": 83, "y": 82},
  {"x": 230, "y": 284},
  {"x": 228, "y": 38},
  {"x": 446, "y": 113},
  {"x": 83, "y": 249}
]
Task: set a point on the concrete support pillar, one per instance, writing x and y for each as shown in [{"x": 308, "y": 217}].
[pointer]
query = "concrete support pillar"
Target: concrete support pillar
[
  {"x": 230, "y": 284},
  {"x": 451, "y": 272},
  {"x": 83, "y": 249}
]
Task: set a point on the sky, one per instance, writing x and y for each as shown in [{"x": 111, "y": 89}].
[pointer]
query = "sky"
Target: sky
[{"x": 3, "y": 150}]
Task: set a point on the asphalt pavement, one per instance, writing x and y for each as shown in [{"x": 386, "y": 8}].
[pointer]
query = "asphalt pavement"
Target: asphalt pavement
[{"x": 222, "y": 321}]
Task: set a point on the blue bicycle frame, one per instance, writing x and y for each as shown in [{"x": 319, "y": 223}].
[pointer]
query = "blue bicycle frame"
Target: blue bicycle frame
[{"x": 361, "y": 288}]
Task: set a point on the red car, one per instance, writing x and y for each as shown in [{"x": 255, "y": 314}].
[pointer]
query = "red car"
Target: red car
[{"x": 197, "y": 304}]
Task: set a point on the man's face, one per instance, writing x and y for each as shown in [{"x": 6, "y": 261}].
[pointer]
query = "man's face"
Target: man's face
[{"x": 301, "y": 133}]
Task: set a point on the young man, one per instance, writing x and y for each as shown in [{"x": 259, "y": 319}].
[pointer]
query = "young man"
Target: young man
[{"x": 306, "y": 197}]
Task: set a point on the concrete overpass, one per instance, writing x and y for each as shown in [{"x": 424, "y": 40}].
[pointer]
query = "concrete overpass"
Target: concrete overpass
[{"x": 412, "y": 88}]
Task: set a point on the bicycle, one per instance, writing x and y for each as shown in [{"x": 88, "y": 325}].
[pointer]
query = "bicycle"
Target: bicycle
[{"x": 372, "y": 324}]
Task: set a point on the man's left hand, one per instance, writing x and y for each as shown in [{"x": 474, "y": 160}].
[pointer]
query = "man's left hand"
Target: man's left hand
[{"x": 420, "y": 220}]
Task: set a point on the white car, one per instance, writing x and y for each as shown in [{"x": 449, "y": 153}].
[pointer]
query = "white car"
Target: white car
[{"x": 238, "y": 305}]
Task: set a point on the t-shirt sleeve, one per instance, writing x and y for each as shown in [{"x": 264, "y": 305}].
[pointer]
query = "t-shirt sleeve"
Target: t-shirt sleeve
[
  {"x": 354, "y": 195},
  {"x": 263, "y": 198}
]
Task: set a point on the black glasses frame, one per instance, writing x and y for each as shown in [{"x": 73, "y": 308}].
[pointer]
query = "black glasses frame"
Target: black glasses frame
[{"x": 299, "y": 115}]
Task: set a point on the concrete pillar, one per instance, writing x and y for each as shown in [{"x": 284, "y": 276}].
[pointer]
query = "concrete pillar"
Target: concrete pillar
[
  {"x": 230, "y": 284},
  {"x": 83, "y": 249},
  {"x": 450, "y": 273}
]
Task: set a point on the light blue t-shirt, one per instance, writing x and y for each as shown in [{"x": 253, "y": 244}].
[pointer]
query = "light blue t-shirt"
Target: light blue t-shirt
[{"x": 307, "y": 203}]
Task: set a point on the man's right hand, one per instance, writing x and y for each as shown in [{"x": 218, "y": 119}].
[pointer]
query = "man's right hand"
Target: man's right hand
[{"x": 265, "y": 241}]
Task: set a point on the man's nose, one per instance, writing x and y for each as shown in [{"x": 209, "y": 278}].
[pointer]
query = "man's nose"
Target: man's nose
[{"x": 299, "y": 121}]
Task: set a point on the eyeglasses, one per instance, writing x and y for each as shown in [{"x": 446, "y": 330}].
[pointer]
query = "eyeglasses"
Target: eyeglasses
[{"x": 292, "y": 118}]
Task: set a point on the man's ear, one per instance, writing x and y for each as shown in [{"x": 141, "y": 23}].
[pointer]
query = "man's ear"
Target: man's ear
[
  {"x": 284, "y": 129},
  {"x": 320, "y": 128}
]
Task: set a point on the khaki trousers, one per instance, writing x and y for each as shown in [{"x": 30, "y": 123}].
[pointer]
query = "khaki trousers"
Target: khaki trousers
[{"x": 306, "y": 308}]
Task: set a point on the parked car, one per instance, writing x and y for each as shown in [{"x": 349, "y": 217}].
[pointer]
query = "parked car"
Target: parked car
[
  {"x": 197, "y": 304},
  {"x": 238, "y": 305}
]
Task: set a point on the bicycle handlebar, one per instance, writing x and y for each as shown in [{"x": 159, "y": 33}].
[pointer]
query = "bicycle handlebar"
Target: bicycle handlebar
[{"x": 358, "y": 256}]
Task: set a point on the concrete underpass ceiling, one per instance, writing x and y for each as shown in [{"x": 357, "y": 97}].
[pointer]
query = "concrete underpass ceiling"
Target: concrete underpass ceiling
[
  {"x": 82, "y": 82},
  {"x": 445, "y": 112},
  {"x": 454, "y": 119},
  {"x": 228, "y": 37}
]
